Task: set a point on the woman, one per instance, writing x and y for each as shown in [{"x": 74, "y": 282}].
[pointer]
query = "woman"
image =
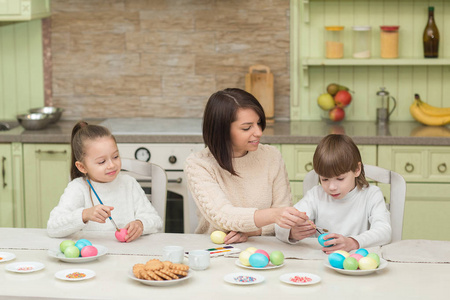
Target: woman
[{"x": 239, "y": 186}]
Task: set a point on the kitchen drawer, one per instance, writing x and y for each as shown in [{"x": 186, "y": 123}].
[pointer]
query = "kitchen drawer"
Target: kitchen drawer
[{"x": 417, "y": 163}]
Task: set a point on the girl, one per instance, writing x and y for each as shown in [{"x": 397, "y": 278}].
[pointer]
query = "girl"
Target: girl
[
  {"x": 95, "y": 156},
  {"x": 239, "y": 186},
  {"x": 344, "y": 203}
]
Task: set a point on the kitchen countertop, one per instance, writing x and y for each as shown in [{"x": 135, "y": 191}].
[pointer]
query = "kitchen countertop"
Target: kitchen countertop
[{"x": 154, "y": 130}]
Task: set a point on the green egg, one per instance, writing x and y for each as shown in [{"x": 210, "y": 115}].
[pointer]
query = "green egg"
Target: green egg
[{"x": 350, "y": 263}]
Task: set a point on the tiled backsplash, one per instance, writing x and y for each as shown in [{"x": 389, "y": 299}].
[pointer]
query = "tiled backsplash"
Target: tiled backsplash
[{"x": 137, "y": 58}]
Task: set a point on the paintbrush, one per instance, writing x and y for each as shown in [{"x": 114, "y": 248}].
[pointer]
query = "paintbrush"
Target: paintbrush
[{"x": 114, "y": 223}]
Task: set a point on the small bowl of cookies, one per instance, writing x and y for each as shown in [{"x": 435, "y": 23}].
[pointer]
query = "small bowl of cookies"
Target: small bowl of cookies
[{"x": 156, "y": 272}]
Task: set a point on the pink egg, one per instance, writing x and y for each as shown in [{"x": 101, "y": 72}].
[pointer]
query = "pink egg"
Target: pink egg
[
  {"x": 357, "y": 256},
  {"x": 89, "y": 251},
  {"x": 263, "y": 252},
  {"x": 120, "y": 235}
]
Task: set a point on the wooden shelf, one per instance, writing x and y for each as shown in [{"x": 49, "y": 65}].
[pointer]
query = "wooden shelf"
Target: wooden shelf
[{"x": 376, "y": 62}]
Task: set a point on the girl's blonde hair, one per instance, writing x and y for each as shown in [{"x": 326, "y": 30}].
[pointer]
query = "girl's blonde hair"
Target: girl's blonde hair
[
  {"x": 337, "y": 154},
  {"x": 82, "y": 132}
]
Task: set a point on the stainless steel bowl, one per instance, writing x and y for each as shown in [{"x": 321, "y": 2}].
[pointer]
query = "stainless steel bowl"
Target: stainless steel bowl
[
  {"x": 53, "y": 112},
  {"x": 34, "y": 121}
]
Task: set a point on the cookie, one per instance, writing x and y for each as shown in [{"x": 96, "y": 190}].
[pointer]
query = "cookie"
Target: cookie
[
  {"x": 179, "y": 267},
  {"x": 154, "y": 265}
]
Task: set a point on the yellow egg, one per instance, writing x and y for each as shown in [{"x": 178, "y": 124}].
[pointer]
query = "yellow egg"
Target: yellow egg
[
  {"x": 217, "y": 237},
  {"x": 251, "y": 249},
  {"x": 343, "y": 253},
  {"x": 367, "y": 263},
  {"x": 244, "y": 257}
]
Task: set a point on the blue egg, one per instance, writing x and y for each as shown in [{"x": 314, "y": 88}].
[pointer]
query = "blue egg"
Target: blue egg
[
  {"x": 80, "y": 244},
  {"x": 87, "y": 242},
  {"x": 336, "y": 260},
  {"x": 362, "y": 252},
  {"x": 322, "y": 239},
  {"x": 258, "y": 260}
]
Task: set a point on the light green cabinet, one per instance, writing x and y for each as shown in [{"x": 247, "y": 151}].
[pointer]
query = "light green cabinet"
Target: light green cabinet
[
  {"x": 46, "y": 175},
  {"x": 6, "y": 187},
  {"x": 24, "y": 10}
]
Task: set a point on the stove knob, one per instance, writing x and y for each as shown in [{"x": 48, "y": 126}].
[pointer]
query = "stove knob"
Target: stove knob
[{"x": 172, "y": 159}]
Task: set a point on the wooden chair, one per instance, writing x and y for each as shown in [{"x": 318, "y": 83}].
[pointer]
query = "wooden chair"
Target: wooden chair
[
  {"x": 397, "y": 193},
  {"x": 155, "y": 174}
]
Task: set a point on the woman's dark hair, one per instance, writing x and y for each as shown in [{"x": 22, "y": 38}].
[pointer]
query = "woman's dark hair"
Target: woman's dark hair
[
  {"x": 337, "y": 154},
  {"x": 82, "y": 132},
  {"x": 220, "y": 112}
]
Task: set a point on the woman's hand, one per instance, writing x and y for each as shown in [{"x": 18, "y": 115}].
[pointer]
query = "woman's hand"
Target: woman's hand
[
  {"x": 98, "y": 213},
  {"x": 134, "y": 229},
  {"x": 234, "y": 237},
  {"x": 302, "y": 230},
  {"x": 288, "y": 217},
  {"x": 339, "y": 242}
]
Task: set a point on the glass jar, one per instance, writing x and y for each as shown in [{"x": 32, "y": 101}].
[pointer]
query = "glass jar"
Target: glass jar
[
  {"x": 389, "y": 41},
  {"x": 362, "y": 36},
  {"x": 334, "y": 45}
]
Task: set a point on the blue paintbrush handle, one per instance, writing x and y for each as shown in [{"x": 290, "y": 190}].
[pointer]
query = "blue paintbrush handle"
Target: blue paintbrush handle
[{"x": 96, "y": 194}]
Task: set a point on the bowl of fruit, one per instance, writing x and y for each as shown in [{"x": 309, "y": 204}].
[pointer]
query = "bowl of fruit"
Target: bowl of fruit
[{"x": 334, "y": 101}]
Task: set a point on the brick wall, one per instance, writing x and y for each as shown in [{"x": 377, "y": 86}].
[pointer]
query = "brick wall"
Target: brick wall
[{"x": 163, "y": 58}]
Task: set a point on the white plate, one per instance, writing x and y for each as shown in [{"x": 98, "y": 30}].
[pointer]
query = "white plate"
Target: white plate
[
  {"x": 56, "y": 253},
  {"x": 6, "y": 256},
  {"x": 241, "y": 278},
  {"x": 287, "y": 278},
  {"x": 63, "y": 275},
  {"x": 25, "y": 267},
  {"x": 269, "y": 266},
  {"x": 383, "y": 264},
  {"x": 161, "y": 282}
]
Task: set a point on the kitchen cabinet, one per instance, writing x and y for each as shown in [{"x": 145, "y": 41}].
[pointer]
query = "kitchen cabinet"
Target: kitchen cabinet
[
  {"x": 46, "y": 175},
  {"x": 299, "y": 161},
  {"x": 427, "y": 176},
  {"x": 6, "y": 188},
  {"x": 311, "y": 72},
  {"x": 24, "y": 10}
]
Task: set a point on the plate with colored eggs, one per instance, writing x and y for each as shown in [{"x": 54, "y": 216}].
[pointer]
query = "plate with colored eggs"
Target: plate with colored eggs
[
  {"x": 77, "y": 252},
  {"x": 359, "y": 263},
  {"x": 258, "y": 259}
]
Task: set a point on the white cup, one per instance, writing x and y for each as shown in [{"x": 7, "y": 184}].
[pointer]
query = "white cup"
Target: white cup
[
  {"x": 173, "y": 254},
  {"x": 199, "y": 260}
]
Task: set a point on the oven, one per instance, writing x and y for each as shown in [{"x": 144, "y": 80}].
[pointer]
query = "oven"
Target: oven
[{"x": 171, "y": 158}]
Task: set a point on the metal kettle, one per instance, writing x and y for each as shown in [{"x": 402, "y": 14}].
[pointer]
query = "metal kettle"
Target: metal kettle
[{"x": 383, "y": 111}]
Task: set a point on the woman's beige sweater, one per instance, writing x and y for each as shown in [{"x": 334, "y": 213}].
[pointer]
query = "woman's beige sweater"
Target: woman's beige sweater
[{"x": 227, "y": 202}]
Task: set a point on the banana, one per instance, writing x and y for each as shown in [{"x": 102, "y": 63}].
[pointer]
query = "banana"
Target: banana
[
  {"x": 432, "y": 110},
  {"x": 420, "y": 116}
]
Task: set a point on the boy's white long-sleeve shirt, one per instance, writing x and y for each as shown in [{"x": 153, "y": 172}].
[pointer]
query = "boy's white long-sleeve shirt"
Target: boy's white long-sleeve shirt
[
  {"x": 361, "y": 214},
  {"x": 123, "y": 193}
]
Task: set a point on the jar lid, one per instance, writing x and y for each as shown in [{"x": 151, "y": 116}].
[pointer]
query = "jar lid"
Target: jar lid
[
  {"x": 389, "y": 28},
  {"x": 362, "y": 28},
  {"x": 334, "y": 28}
]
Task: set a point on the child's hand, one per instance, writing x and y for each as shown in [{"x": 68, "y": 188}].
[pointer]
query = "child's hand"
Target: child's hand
[
  {"x": 135, "y": 230},
  {"x": 289, "y": 217},
  {"x": 302, "y": 230},
  {"x": 98, "y": 213},
  {"x": 339, "y": 242},
  {"x": 235, "y": 237}
]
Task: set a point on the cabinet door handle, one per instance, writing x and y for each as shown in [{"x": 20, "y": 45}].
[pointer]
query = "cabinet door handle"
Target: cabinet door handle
[
  {"x": 51, "y": 151},
  {"x": 4, "y": 172},
  {"x": 442, "y": 168},
  {"x": 409, "y": 167},
  {"x": 308, "y": 167}
]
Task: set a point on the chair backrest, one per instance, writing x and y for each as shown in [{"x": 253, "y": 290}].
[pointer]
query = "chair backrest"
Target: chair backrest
[
  {"x": 397, "y": 193},
  {"x": 193, "y": 217},
  {"x": 157, "y": 176}
]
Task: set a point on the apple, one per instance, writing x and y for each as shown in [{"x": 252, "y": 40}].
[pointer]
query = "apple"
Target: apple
[
  {"x": 337, "y": 114},
  {"x": 218, "y": 237},
  {"x": 244, "y": 257},
  {"x": 326, "y": 101},
  {"x": 65, "y": 244},
  {"x": 342, "y": 98},
  {"x": 72, "y": 252},
  {"x": 277, "y": 258},
  {"x": 121, "y": 234}
]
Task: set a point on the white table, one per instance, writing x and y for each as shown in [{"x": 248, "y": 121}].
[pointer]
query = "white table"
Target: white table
[{"x": 397, "y": 281}]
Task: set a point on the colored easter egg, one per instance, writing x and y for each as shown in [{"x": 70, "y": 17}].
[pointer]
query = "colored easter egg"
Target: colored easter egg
[
  {"x": 367, "y": 263},
  {"x": 342, "y": 252},
  {"x": 322, "y": 240},
  {"x": 65, "y": 244},
  {"x": 357, "y": 256},
  {"x": 263, "y": 252},
  {"x": 350, "y": 263},
  {"x": 276, "y": 258},
  {"x": 375, "y": 257},
  {"x": 336, "y": 260},
  {"x": 244, "y": 256},
  {"x": 87, "y": 242},
  {"x": 89, "y": 251},
  {"x": 120, "y": 235},
  {"x": 218, "y": 237},
  {"x": 258, "y": 260},
  {"x": 251, "y": 249},
  {"x": 362, "y": 252},
  {"x": 72, "y": 252},
  {"x": 80, "y": 244}
]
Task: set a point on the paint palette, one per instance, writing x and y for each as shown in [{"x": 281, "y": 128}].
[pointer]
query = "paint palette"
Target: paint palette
[{"x": 220, "y": 251}]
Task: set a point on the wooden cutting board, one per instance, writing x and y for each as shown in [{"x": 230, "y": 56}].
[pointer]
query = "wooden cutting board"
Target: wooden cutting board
[{"x": 259, "y": 83}]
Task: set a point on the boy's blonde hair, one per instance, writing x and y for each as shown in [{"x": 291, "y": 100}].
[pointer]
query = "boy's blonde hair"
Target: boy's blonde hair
[{"x": 337, "y": 154}]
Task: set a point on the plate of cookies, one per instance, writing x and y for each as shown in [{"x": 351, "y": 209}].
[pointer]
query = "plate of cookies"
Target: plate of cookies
[{"x": 155, "y": 272}]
